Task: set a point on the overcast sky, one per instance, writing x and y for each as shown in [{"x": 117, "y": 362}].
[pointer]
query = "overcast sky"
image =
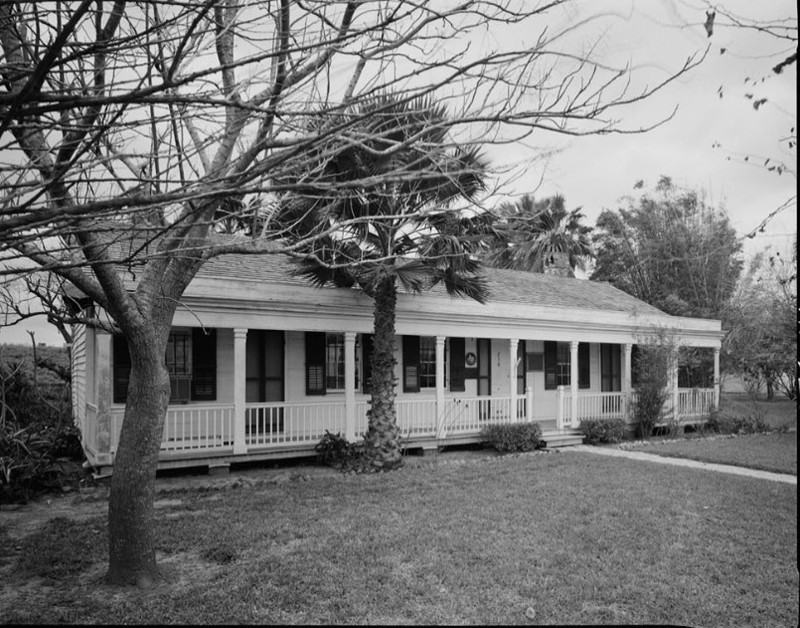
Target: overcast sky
[{"x": 702, "y": 147}]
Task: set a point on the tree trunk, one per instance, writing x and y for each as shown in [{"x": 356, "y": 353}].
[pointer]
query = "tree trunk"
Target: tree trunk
[
  {"x": 382, "y": 441},
  {"x": 131, "y": 525}
]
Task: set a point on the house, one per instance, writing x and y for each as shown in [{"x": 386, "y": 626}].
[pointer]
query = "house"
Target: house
[{"x": 262, "y": 363}]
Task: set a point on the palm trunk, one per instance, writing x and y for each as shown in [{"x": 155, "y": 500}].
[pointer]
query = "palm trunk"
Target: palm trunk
[
  {"x": 382, "y": 441},
  {"x": 131, "y": 525}
]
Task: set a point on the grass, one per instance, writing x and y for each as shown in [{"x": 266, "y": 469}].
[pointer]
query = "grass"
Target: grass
[
  {"x": 564, "y": 538},
  {"x": 772, "y": 451}
]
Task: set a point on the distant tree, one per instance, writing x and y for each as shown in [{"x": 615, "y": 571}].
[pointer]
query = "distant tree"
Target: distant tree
[
  {"x": 409, "y": 233},
  {"x": 671, "y": 250},
  {"x": 533, "y": 230},
  {"x": 762, "y": 318}
]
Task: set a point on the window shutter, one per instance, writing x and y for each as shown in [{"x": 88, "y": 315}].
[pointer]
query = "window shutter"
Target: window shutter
[
  {"x": 635, "y": 370},
  {"x": 584, "y": 370},
  {"x": 122, "y": 369},
  {"x": 315, "y": 363},
  {"x": 366, "y": 361},
  {"x": 457, "y": 366},
  {"x": 550, "y": 365},
  {"x": 204, "y": 365},
  {"x": 410, "y": 363}
]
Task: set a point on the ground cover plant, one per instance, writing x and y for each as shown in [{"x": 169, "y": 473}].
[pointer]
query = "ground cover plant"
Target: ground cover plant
[{"x": 567, "y": 538}]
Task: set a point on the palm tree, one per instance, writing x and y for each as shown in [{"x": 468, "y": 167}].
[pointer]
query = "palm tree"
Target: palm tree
[
  {"x": 536, "y": 231},
  {"x": 384, "y": 191}
]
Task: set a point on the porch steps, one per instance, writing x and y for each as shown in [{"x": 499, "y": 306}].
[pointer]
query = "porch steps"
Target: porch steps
[{"x": 562, "y": 438}]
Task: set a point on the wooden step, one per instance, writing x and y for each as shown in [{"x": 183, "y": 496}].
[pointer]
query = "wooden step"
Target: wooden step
[{"x": 562, "y": 439}]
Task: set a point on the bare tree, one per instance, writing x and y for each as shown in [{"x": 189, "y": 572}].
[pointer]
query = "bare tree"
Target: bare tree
[{"x": 132, "y": 132}]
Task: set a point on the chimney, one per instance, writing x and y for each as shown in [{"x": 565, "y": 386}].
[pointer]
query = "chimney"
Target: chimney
[{"x": 557, "y": 263}]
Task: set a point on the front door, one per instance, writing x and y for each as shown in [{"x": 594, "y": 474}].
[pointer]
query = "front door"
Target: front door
[
  {"x": 610, "y": 376},
  {"x": 265, "y": 379}
]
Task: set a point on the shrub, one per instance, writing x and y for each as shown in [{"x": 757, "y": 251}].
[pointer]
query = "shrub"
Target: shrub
[
  {"x": 336, "y": 451},
  {"x": 513, "y": 438},
  {"x": 603, "y": 430},
  {"x": 727, "y": 424},
  {"x": 653, "y": 363}
]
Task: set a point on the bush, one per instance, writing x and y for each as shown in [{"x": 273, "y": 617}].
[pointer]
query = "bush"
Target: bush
[
  {"x": 603, "y": 430},
  {"x": 336, "y": 451},
  {"x": 513, "y": 438},
  {"x": 722, "y": 423},
  {"x": 28, "y": 464}
]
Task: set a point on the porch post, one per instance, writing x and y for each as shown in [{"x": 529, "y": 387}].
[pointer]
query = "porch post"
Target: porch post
[
  {"x": 626, "y": 382},
  {"x": 349, "y": 385},
  {"x": 239, "y": 389},
  {"x": 573, "y": 382},
  {"x": 104, "y": 427},
  {"x": 529, "y": 404},
  {"x": 513, "y": 344},
  {"x": 716, "y": 377},
  {"x": 560, "y": 408},
  {"x": 676, "y": 397},
  {"x": 440, "y": 411}
]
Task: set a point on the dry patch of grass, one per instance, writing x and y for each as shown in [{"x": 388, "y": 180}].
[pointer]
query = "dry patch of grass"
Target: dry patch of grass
[{"x": 558, "y": 538}]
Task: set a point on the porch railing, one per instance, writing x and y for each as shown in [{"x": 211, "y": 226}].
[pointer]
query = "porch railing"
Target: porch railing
[
  {"x": 188, "y": 428},
  {"x": 695, "y": 402},
  {"x": 281, "y": 423}
]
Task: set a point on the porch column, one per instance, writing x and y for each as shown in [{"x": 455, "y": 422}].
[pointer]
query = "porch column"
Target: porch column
[
  {"x": 573, "y": 382},
  {"x": 440, "y": 411},
  {"x": 105, "y": 432},
  {"x": 513, "y": 344},
  {"x": 627, "y": 379},
  {"x": 676, "y": 397},
  {"x": 239, "y": 389},
  {"x": 716, "y": 377},
  {"x": 349, "y": 385}
]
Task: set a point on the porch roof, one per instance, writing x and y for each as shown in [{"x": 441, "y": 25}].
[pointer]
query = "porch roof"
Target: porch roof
[{"x": 505, "y": 286}]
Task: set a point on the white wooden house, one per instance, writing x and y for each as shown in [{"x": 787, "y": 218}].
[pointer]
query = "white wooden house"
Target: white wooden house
[{"x": 263, "y": 363}]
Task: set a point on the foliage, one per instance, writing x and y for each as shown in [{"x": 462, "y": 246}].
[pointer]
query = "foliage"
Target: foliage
[
  {"x": 724, "y": 423},
  {"x": 603, "y": 430},
  {"x": 399, "y": 209},
  {"x": 654, "y": 363},
  {"x": 36, "y": 428},
  {"x": 515, "y": 437},
  {"x": 762, "y": 318},
  {"x": 32, "y": 459},
  {"x": 670, "y": 249},
  {"x": 334, "y": 450},
  {"x": 531, "y": 230}
]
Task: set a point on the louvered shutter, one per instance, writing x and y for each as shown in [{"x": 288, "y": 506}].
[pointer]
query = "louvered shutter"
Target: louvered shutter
[
  {"x": 550, "y": 365},
  {"x": 315, "y": 363},
  {"x": 122, "y": 369},
  {"x": 457, "y": 366},
  {"x": 204, "y": 365},
  {"x": 410, "y": 363}
]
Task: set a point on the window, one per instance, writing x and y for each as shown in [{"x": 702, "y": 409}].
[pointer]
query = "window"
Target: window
[
  {"x": 427, "y": 362},
  {"x": 334, "y": 362},
  {"x": 557, "y": 364},
  {"x": 419, "y": 363},
  {"x": 190, "y": 358},
  {"x": 325, "y": 366}
]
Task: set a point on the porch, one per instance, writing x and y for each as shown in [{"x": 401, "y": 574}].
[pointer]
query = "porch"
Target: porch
[{"x": 210, "y": 433}]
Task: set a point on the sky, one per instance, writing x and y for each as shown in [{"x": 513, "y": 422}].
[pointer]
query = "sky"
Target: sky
[{"x": 702, "y": 147}]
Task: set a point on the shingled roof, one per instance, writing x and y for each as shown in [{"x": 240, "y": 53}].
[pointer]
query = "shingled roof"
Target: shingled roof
[{"x": 505, "y": 286}]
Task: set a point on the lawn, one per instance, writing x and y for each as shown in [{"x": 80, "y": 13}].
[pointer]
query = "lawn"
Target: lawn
[
  {"x": 770, "y": 452},
  {"x": 780, "y": 412},
  {"x": 566, "y": 538}
]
